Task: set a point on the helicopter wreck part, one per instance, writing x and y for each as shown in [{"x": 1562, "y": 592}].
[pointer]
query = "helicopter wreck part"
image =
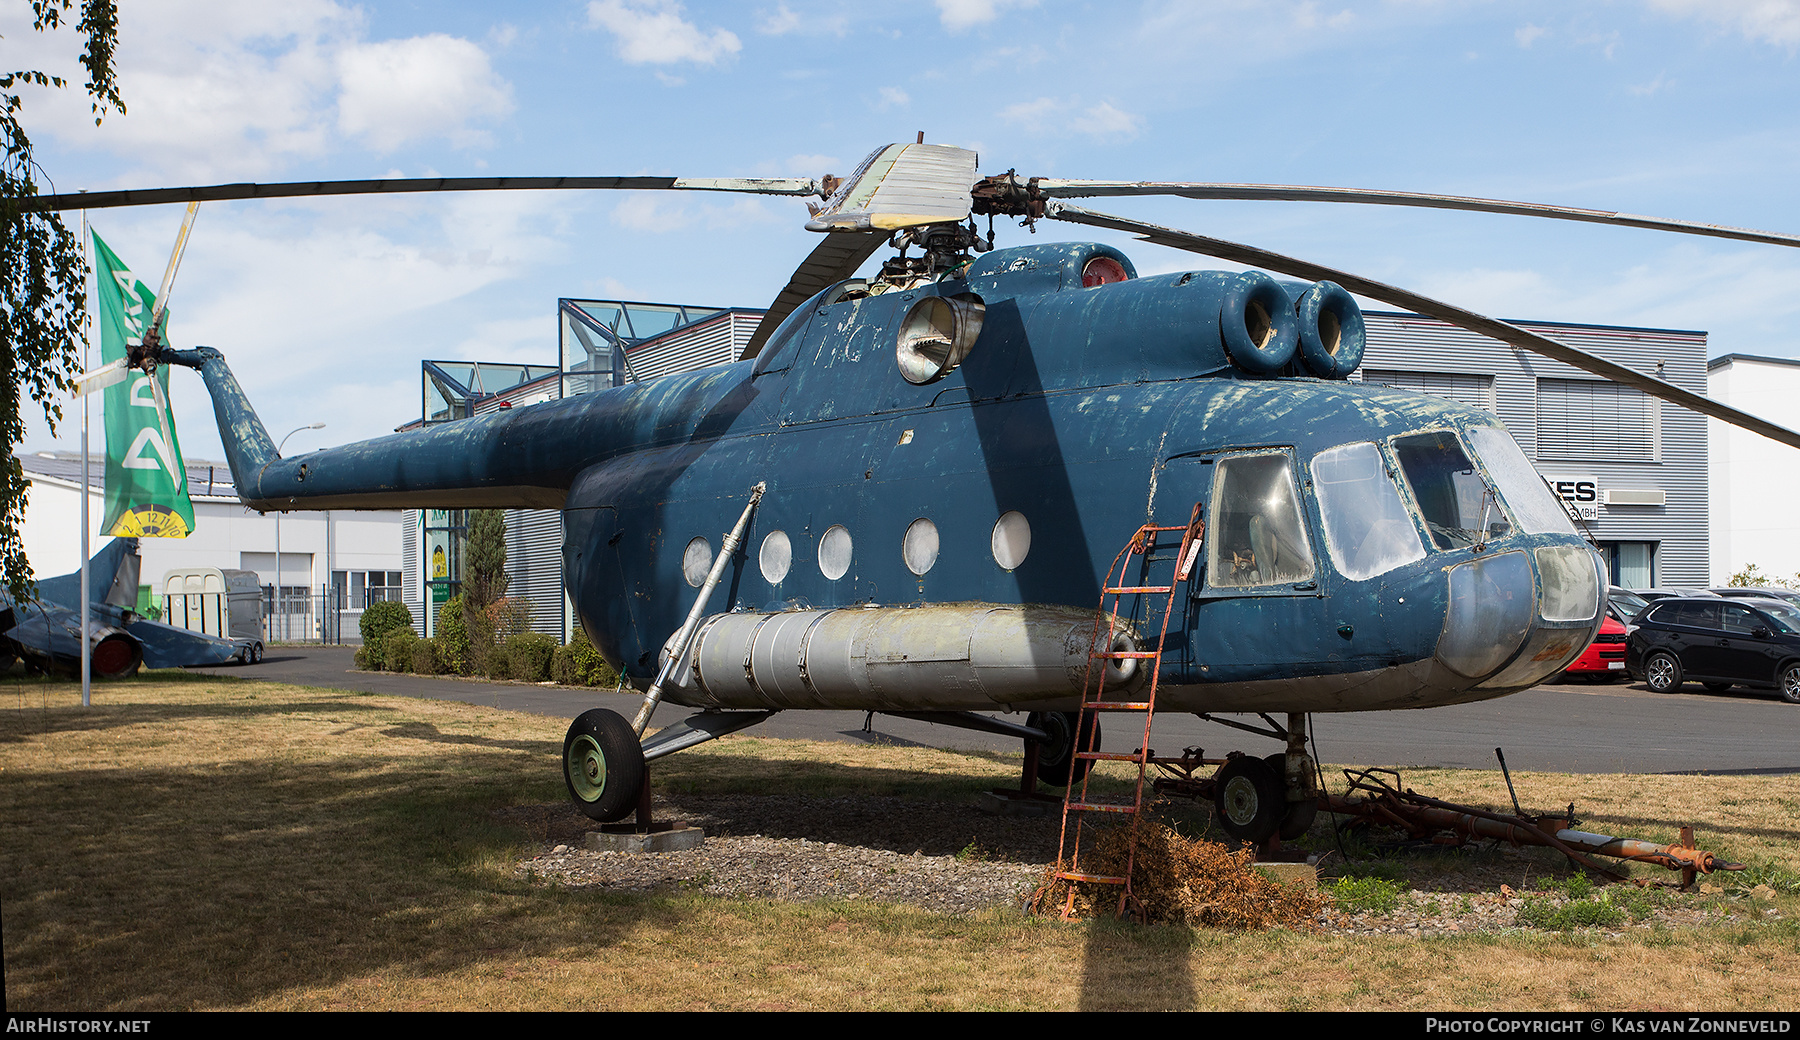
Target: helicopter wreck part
[
  {"x": 677, "y": 649},
  {"x": 698, "y": 729},
  {"x": 1257, "y": 325},
  {"x": 951, "y": 657},
  {"x": 1300, "y": 780},
  {"x": 1385, "y": 801},
  {"x": 936, "y": 335},
  {"x": 1495, "y": 632},
  {"x": 900, "y": 186},
  {"x": 603, "y": 765},
  {"x": 1477, "y": 323},
  {"x": 1332, "y": 332}
]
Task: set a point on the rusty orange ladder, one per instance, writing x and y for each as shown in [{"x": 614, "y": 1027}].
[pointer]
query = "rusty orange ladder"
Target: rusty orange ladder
[{"x": 1101, "y": 654}]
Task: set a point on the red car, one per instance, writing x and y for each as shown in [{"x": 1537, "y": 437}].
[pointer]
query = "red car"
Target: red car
[{"x": 1604, "y": 659}]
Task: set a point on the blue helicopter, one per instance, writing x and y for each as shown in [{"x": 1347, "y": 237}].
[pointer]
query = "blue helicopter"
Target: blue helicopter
[{"x": 925, "y": 476}]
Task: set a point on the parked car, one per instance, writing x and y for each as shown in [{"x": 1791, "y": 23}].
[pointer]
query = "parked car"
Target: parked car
[
  {"x": 1604, "y": 658},
  {"x": 1624, "y": 605},
  {"x": 1759, "y": 592},
  {"x": 1717, "y": 642},
  {"x": 1671, "y": 592}
]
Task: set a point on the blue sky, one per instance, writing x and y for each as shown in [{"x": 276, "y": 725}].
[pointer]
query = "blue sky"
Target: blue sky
[{"x": 1675, "y": 108}]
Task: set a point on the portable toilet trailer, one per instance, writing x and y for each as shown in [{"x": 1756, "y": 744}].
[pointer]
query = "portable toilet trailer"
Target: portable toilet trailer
[{"x": 224, "y": 603}]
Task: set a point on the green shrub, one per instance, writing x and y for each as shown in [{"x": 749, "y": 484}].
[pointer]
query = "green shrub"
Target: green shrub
[
  {"x": 368, "y": 655},
  {"x": 579, "y": 664},
  {"x": 397, "y": 649},
  {"x": 529, "y": 656},
  {"x": 495, "y": 660},
  {"x": 453, "y": 637},
  {"x": 382, "y": 618},
  {"x": 1365, "y": 894},
  {"x": 1599, "y": 912},
  {"x": 424, "y": 657}
]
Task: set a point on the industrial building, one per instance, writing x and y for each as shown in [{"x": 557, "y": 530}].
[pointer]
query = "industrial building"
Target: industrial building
[{"x": 1756, "y": 500}]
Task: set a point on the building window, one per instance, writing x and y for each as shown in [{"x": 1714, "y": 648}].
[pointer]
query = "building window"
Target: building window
[
  {"x": 1595, "y": 420},
  {"x": 1473, "y": 390},
  {"x": 356, "y": 590}
]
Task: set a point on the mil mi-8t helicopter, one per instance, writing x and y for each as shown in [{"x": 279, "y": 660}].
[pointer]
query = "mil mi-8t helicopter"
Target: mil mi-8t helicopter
[{"x": 929, "y": 471}]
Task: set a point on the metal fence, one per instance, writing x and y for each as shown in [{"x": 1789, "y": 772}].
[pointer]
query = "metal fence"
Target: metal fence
[{"x": 316, "y": 615}]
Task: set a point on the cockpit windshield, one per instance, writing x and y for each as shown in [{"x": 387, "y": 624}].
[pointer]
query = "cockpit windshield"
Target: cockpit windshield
[
  {"x": 1526, "y": 494},
  {"x": 1459, "y": 507},
  {"x": 1367, "y": 527}
]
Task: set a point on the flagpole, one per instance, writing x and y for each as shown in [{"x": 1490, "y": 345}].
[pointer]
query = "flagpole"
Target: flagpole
[{"x": 87, "y": 655}]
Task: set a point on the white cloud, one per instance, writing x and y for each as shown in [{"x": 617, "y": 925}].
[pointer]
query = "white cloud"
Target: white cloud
[
  {"x": 1307, "y": 16},
  {"x": 780, "y": 22},
  {"x": 226, "y": 91},
  {"x": 1653, "y": 87},
  {"x": 1047, "y": 115},
  {"x": 892, "y": 97},
  {"x": 1528, "y": 34},
  {"x": 1772, "y": 21},
  {"x": 652, "y": 32},
  {"x": 427, "y": 86},
  {"x": 957, "y": 15}
]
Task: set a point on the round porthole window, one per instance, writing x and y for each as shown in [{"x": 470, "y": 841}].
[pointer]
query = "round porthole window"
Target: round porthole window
[
  {"x": 920, "y": 546},
  {"x": 776, "y": 556},
  {"x": 696, "y": 560},
  {"x": 1011, "y": 540},
  {"x": 834, "y": 552}
]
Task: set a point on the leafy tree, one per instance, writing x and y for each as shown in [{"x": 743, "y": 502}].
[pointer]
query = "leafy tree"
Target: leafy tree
[{"x": 43, "y": 270}]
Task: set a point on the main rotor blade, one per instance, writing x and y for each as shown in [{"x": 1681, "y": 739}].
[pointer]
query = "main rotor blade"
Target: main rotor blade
[
  {"x": 1486, "y": 326},
  {"x": 1072, "y": 189},
  {"x": 307, "y": 189},
  {"x": 831, "y": 261}
]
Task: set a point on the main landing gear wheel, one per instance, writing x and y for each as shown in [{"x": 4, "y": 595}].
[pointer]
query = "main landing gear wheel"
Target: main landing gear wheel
[
  {"x": 603, "y": 764},
  {"x": 1662, "y": 673},
  {"x": 1056, "y": 762},
  {"x": 1249, "y": 798},
  {"x": 1298, "y": 819}
]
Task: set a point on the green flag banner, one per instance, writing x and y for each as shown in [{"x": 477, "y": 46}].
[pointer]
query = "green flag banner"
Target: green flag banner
[{"x": 146, "y": 489}]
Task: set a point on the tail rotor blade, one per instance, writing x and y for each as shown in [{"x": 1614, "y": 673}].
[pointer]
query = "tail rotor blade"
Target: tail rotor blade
[
  {"x": 101, "y": 378},
  {"x": 162, "y": 294},
  {"x": 177, "y": 466}
]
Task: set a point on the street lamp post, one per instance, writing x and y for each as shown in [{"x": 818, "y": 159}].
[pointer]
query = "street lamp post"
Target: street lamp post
[{"x": 280, "y": 607}]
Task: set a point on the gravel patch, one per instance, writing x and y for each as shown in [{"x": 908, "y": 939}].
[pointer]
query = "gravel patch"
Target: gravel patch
[{"x": 953, "y": 858}]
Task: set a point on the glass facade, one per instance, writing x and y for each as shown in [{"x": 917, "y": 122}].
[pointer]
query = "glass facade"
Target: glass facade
[{"x": 593, "y": 336}]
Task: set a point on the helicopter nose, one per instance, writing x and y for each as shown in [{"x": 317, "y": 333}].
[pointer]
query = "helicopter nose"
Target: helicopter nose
[{"x": 1498, "y": 622}]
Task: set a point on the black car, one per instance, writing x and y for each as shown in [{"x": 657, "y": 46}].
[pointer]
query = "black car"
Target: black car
[{"x": 1717, "y": 642}]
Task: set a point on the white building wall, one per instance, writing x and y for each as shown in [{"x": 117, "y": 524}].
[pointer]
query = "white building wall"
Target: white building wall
[
  {"x": 1755, "y": 481},
  {"x": 226, "y": 535}
]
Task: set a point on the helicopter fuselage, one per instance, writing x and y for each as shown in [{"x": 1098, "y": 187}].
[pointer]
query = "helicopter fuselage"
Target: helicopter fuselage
[{"x": 1365, "y": 548}]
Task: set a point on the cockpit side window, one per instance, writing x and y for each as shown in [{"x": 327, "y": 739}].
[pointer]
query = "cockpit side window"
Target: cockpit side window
[
  {"x": 1257, "y": 534},
  {"x": 1459, "y": 507},
  {"x": 1367, "y": 527}
]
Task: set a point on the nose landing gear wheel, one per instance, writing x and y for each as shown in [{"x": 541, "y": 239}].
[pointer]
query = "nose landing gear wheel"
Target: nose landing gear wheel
[
  {"x": 1248, "y": 795},
  {"x": 603, "y": 765}
]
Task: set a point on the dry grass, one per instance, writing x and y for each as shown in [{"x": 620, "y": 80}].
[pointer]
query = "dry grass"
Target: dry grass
[
  {"x": 1179, "y": 880},
  {"x": 213, "y": 843}
]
